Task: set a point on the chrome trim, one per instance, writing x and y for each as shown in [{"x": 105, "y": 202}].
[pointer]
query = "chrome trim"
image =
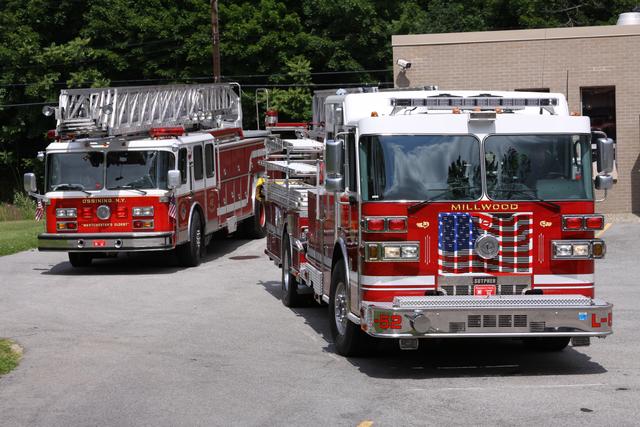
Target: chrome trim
[
  {"x": 544, "y": 316},
  {"x": 113, "y": 242},
  {"x": 355, "y": 319}
]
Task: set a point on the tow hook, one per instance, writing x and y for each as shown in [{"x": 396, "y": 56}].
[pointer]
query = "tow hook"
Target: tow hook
[
  {"x": 580, "y": 341},
  {"x": 408, "y": 343}
]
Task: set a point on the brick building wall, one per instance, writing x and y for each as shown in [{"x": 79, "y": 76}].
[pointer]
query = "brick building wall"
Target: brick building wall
[{"x": 557, "y": 59}]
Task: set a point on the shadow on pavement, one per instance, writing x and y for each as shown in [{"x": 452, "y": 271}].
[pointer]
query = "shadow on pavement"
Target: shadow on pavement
[
  {"x": 159, "y": 262},
  {"x": 449, "y": 358}
]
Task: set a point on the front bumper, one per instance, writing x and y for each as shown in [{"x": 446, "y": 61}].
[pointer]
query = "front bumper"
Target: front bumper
[
  {"x": 106, "y": 242},
  {"x": 493, "y": 316}
]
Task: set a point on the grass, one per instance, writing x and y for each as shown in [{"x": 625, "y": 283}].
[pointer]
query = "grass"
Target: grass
[
  {"x": 10, "y": 355},
  {"x": 16, "y": 236}
]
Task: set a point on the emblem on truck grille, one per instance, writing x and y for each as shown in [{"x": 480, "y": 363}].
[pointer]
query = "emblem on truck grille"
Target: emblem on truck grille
[
  {"x": 487, "y": 246},
  {"x": 103, "y": 212}
]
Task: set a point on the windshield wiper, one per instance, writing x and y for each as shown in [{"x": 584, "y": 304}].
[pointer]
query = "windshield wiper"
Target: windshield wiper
[
  {"x": 528, "y": 192},
  {"x": 128, "y": 187},
  {"x": 445, "y": 191},
  {"x": 66, "y": 186}
]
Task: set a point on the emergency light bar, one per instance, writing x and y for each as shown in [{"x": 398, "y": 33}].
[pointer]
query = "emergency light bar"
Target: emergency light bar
[{"x": 449, "y": 102}]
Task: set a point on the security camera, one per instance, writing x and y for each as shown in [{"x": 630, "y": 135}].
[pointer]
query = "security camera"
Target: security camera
[{"x": 404, "y": 64}]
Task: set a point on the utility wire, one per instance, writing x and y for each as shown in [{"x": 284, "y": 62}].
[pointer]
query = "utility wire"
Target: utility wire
[{"x": 225, "y": 77}]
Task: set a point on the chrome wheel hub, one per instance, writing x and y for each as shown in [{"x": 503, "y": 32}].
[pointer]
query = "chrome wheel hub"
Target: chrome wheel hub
[
  {"x": 285, "y": 272},
  {"x": 340, "y": 307}
]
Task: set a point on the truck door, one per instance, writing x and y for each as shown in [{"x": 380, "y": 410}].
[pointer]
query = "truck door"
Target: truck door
[
  {"x": 183, "y": 196},
  {"x": 197, "y": 183},
  {"x": 211, "y": 190}
]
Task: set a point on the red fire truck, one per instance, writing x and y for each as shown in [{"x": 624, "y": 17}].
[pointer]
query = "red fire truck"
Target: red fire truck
[
  {"x": 430, "y": 214},
  {"x": 148, "y": 168}
]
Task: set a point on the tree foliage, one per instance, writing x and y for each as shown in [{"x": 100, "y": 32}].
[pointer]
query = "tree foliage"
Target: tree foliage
[{"x": 46, "y": 45}]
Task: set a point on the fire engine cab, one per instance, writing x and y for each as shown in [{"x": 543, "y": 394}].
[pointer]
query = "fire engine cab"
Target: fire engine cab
[
  {"x": 148, "y": 168},
  {"x": 431, "y": 214}
]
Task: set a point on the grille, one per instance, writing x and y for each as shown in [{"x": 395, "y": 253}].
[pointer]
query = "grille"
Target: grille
[
  {"x": 455, "y": 327},
  {"x": 459, "y": 231},
  {"x": 520, "y": 320},
  {"x": 489, "y": 321},
  {"x": 537, "y": 326},
  {"x": 504, "y": 321},
  {"x": 468, "y": 289},
  {"x": 493, "y": 301},
  {"x": 473, "y": 321}
]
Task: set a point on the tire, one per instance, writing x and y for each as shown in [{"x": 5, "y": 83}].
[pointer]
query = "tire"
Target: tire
[
  {"x": 255, "y": 227},
  {"x": 190, "y": 253},
  {"x": 348, "y": 338},
  {"x": 547, "y": 344},
  {"x": 289, "y": 283},
  {"x": 80, "y": 259}
]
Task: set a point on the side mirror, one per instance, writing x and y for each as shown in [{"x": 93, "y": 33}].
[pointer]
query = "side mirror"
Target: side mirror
[
  {"x": 334, "y": 165},
  {"x": 174, "y": 179},
  {"x": 603, "y": 182},
  {"x": 605, "y": 150},
  {"x": 30, "y": 183}
]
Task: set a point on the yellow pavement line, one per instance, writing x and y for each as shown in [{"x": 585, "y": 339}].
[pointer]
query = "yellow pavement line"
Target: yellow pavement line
[
  {"x": 601, "y": 232},
  {"x": 365, "y": 424}
]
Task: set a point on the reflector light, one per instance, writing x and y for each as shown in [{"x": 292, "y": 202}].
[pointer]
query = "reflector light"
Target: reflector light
[
  {"x": 598, "y": 249},
  {"x": 375, "y": 224},
  {"x": 573, "y": 222},
  {"x": 166, "y": 132},
  {"x": 397, "y": 224},
  {"x": 594, "y": 222},
  {"x": 373, "y": 253},
  {"x": 67, "y": 226},
  {"x": 143, "y": 224}
]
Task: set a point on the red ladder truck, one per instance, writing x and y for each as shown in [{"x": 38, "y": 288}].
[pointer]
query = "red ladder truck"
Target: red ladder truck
[
  {"x": 430, "y": 214},
  {"x": 148, "y": 168}
]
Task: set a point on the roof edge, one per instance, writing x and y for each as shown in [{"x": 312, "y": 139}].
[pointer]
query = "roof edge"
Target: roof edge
[{"x": 515, "y": 35}]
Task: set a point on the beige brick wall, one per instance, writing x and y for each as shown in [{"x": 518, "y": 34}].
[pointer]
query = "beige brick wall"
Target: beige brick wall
[{"x": 532, "y": 59}]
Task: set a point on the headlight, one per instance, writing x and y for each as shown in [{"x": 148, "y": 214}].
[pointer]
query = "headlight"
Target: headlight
[
  {"x": 142, "y": 211},
  {"x": 66, "y": 213},
  {"x": 410, "y": 251},
  {"x": 581, "y": 250},
  {"x": 391, "y": 251}
]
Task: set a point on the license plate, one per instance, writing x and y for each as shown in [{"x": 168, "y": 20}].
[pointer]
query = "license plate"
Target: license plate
[
  {"x": 484, "y": 290},
  {"x": 99, "y": 243}
]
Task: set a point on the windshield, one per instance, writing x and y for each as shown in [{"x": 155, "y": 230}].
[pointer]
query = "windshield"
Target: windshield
[
  {"x": 138, "y": 169},
  {"x": 75, "y": 171},
  {"x": 420, "y": 167},
  {"x": 527, "y": 167}
]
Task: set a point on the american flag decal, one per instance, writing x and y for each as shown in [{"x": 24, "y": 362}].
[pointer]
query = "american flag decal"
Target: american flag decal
[
  {"x": 39, "y": 211},
  {"x": 457, "y": 234},
  {"x": 173, "y": 209}
]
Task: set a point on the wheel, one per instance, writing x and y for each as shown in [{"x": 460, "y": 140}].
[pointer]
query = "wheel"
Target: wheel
[
  {"x": 80, "y": 259},
  {"x": 190, "y": 253},
  {"x": 348, "y": 338},
  {"x": 289, "y": 295},
  {"x": 547, "y": 344},
  {"x": 255, "y": 227}
]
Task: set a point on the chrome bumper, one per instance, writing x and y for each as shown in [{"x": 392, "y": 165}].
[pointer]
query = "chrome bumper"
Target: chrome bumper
[
  {"x": 494, "y": 316},
  {"x": 106, "y": 242}
]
